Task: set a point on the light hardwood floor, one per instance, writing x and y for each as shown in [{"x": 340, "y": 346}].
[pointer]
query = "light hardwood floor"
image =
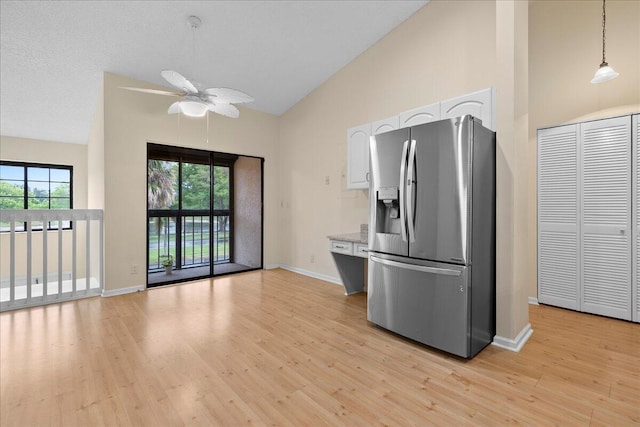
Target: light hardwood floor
[{"x": 278, "y": 348}]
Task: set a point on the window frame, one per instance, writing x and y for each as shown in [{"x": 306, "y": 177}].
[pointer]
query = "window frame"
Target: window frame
[{"x": 25, "y": 199}]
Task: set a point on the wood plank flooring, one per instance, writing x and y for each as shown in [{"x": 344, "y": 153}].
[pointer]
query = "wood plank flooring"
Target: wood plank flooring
[{"x": 277, "y": 348}]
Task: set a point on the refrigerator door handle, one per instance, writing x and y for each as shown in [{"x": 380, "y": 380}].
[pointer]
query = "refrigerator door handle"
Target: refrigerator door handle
[
  {"x": 403, "y": 179},
  {"x": 420, "y": 268},
  {"x": 409, "y": 194}
]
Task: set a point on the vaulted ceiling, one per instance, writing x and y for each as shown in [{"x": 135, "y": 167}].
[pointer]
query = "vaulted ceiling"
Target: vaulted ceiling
[{"x": 53, "y": 53}]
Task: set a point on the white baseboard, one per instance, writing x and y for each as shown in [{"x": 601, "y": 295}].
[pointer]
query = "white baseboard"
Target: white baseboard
[
  {"x": 514, "y": 344},
  {"x": 122, "y": 291},
  {"x": 533, "y": 301},
  {"x": 326, "y": 278}
]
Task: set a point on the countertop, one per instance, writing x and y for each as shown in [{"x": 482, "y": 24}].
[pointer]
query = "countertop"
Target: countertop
[{"x": 351, "y": 237}]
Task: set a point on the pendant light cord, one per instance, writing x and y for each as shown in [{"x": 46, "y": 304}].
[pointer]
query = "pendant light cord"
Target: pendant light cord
[{"x": 604, "y": 31}]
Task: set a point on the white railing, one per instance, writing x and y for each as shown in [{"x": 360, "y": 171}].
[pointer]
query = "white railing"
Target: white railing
[{"x": 37, "y": 270}]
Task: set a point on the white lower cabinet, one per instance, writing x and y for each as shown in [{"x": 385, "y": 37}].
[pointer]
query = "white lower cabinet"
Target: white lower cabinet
[
  {"x": 586, "y": 253},
  {"x": 340, "y": 247}
]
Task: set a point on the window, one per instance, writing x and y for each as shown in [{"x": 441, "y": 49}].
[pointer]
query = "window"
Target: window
[{"x": 35, "y": 186}]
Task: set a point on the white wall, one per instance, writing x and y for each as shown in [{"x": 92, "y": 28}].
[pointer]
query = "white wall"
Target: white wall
[
  {"x": 565, "y": 50},
  {"x": 434, "y": 55},
  {"x": 131, "y": 119}
]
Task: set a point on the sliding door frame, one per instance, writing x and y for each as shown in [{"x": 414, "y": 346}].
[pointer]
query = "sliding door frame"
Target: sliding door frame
[{"x": 212, "y": 158}]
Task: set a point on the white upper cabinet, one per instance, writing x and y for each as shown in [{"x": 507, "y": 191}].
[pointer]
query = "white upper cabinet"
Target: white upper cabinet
[
  {"x": 418, "y": 116},
  {"x": 392, "y": 123},
  {"x": 479, "y": 104},
  {"x": 358, "y": 156}
]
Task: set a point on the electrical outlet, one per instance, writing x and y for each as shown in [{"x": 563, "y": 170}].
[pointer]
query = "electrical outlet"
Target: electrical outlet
[
  {"x": 312, "y": 258},
  {"x": 134, "y": 269}
]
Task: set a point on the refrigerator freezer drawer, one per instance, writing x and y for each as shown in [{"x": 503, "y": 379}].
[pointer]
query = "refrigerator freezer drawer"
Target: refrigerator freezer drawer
[{"x": 427, "y": 302}]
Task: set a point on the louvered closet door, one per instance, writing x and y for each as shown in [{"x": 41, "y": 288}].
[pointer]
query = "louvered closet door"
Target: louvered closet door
[
  {"x": 606, "y": 217},
  {"x": 558, "y": 217},
  {"x": 635, "y": 141}
]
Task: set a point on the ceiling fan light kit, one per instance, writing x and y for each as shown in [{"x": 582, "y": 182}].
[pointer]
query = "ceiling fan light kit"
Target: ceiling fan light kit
[
  {"x": 193, "y": 108},
  {"x": 604, "y": 73},
  {"x": 195, "y": 102}
]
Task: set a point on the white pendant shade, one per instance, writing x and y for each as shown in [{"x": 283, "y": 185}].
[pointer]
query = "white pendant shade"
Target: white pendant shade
[
  {"x": 193, "y": 108},
  {"x": 604, "y": 73}
]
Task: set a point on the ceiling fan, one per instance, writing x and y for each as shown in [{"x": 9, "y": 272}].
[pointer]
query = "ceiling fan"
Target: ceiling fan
[{"x": 195, "y": 102}]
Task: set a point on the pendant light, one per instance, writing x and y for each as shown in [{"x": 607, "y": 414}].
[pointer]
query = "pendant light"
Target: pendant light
[{"x": 604, "y": 73}]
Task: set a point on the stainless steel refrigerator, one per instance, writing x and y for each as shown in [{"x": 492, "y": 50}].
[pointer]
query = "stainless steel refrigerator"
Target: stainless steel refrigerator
[{"x": 432, "y": 234}]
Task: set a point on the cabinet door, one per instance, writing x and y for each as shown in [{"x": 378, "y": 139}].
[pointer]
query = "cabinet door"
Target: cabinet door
[
  {"x": 605, "y": 170},
  {"x": 358, "y": 156},
  {"x": 418, "y": 116},
  {"x": 480, "y": 104},
  {"x": 635, "y": 141},
  {"x": 558, "y": 243},
  {"x": 392, "y": 123}
]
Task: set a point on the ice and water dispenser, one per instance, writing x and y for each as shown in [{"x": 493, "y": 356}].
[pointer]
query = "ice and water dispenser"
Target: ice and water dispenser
[{"x": 388, "y": 211}]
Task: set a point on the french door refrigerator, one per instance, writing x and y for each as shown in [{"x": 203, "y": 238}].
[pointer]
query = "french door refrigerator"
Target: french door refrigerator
[{"x": 432, "y": 234}]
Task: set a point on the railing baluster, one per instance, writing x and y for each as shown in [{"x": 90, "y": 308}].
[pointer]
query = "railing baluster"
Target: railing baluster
[
  {"x": 74, "y": 261},
  {"x": 45, "y": 250},
  {"x": 59, "y": 256},
  {"x": 12, "y": 263},
  {"x": 88, "y": 260},
  {"x": 101, "y": 252},
  {"x": 29, "y": 278}
]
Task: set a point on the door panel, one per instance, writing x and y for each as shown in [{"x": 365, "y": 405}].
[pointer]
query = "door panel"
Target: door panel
[
  {"x": 606, "y": 217},
  {"x": 418, "y": 116},
  {"x": 558, "y": 238},
  {"x": 635, "y": 141},
  {"x": 385, "y": 195},
  {"x": 357, "y": 156},
  {"x": 429, "y": 306},
  {"x": 386, "y": 125},
  {"x": 479, "y": 104},
  {"x": 440, "y": 192}
]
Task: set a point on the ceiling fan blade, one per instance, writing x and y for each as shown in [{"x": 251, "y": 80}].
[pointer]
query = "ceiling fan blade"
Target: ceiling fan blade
[
  {"x": 227, "y": 95},
  {"x": 174, "y": 108},
  {"x": 154, "y": 91},
  {"x": 178, "y": 80},
  {"x": 224, "y": 109}
]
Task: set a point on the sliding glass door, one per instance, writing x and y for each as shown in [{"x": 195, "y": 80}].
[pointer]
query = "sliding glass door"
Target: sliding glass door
[{"x": 191, "y": 224}]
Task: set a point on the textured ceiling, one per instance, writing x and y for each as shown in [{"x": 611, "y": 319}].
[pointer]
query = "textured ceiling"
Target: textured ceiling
[{"x": 53, "y": 53}]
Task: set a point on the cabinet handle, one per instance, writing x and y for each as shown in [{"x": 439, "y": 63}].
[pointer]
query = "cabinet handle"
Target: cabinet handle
[
  {"x": 367, "y": 175},
  {"x": 341, "y": 247}
]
